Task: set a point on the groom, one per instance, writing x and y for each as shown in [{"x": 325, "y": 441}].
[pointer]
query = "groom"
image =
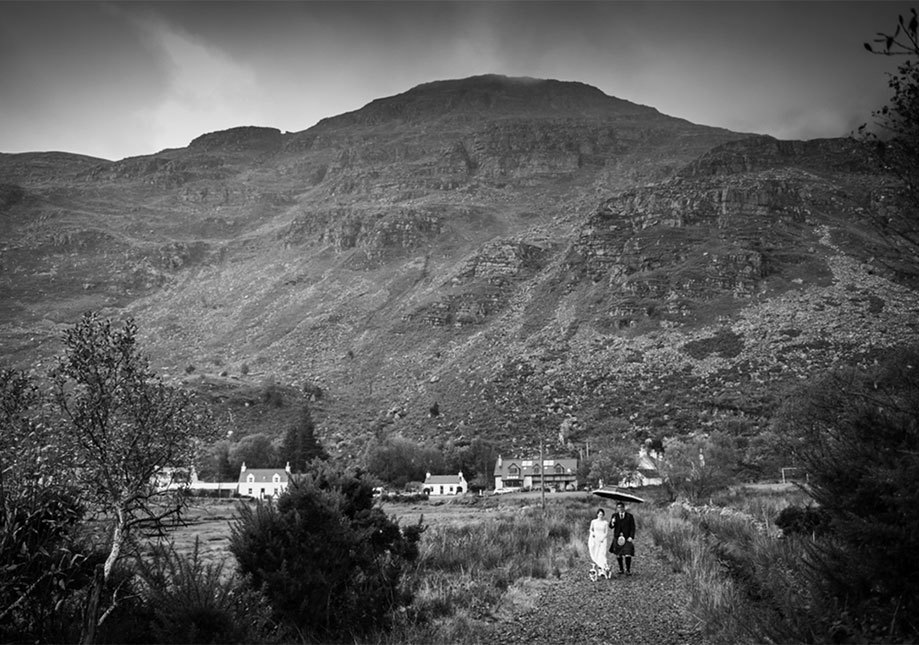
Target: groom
[{"x": 623, "y": 546}]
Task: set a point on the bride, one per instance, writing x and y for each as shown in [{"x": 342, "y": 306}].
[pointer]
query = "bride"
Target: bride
[{"x": 597, "y": 545}]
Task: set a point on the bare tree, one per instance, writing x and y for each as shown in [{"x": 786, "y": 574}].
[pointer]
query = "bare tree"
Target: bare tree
[{"x": 128, "y": 431}]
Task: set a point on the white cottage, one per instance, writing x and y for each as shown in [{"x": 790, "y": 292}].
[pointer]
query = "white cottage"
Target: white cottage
[
  {"x": 647, "y": 473},
  {"x": 445, "y": 484},
  {"x": 263, "y": 483}
]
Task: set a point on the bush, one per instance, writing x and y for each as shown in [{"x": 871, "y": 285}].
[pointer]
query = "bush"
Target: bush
[
  {"x": 862, "y": 455},
  {"x": 190, "y": 601},
  {"x": 41, "y": 564},
  {"x": 805, "y": 520},
  {"x": 329, "y": 562}
]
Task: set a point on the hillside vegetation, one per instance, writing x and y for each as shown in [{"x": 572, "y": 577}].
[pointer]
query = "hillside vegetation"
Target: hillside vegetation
[{"x": 537, "y": 258}]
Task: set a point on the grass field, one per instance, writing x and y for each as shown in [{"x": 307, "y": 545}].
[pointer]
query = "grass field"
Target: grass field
[{"x": 483, "y": 557}]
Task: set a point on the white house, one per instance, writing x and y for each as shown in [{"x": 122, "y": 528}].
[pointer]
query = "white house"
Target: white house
[
  {"x": 445, "y": 484},
  {"x": 647, "y": 473},
  {"x": 263, "y": 483}
]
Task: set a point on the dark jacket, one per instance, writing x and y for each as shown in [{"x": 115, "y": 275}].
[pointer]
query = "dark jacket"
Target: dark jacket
[{"x": 624, "y": 526}]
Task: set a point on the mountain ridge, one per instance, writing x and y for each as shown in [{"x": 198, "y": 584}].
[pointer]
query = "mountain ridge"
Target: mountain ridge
[{"x": 518, "y": 264}]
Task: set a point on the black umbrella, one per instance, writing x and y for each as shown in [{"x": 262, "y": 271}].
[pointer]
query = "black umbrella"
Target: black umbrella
[{"x": 617, "y": 495}]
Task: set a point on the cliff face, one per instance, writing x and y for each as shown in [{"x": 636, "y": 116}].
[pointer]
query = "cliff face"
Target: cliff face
[{"x": 530, "y": 254}]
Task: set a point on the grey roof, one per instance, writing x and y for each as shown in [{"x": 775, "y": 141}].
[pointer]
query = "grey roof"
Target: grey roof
[
  {"x": 263, "y": 475},
  {"x": 528, "y": 466},
  {"x": 443, "y": 479}
]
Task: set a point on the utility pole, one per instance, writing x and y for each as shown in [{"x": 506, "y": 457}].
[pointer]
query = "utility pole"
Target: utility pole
[{"x": 542, "y": 476}]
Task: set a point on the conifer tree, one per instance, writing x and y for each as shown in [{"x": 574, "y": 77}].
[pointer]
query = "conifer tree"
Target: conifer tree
[{"x": 300, "y": 445}]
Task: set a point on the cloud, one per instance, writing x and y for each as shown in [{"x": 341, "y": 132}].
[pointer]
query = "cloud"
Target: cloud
[{"x": 206, "y": 89}]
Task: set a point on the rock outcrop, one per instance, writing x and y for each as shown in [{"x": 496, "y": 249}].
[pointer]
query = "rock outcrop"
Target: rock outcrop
[{"x": 526, "y": 253}]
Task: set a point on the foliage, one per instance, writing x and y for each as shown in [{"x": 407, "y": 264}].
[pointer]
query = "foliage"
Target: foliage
[
  {"x": 256, "y": 450},
  {"x": 329, "y": 562},
  {"x": 862, "y": 457},
  {"x": 124, "y": 426},
  {"x": 42, "y": 561},
  {"x": 398, "y": 461},
  {"x": 806, "y": 520},
  {"x": 612, "y": 459},
  {"x": 697, "y": 466},
  {"x": 187, "y": 600},
  {"x": 467, "y": 571},
  {"x": 745, "y": 585},
  {"x": 215, "y": 463},
  {"x": 476, "y": 461},
  {"x": 300, "y": 445},
  {"x": 900, "y": 151}
]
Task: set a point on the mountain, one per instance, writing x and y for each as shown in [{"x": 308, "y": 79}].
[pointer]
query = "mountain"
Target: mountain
[{"x": 534, "y": 256}]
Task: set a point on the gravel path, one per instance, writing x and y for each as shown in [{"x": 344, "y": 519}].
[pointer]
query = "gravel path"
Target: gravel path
[{"x": 647, "y": 607}]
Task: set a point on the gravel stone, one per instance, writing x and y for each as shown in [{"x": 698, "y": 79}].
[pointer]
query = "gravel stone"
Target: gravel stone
[{"x": 650, "y": 606}]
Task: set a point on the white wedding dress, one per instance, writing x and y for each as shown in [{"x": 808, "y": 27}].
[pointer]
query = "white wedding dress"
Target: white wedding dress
[{"x": 597, "y": 543}]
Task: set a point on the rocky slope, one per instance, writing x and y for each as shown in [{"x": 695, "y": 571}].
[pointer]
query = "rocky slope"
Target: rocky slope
[{"x": 536, "y": 257}]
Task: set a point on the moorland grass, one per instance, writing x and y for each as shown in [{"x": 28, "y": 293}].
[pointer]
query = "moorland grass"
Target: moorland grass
[
  {"x": 748, "y": 584},
  {"x": 465, "y": 571}
]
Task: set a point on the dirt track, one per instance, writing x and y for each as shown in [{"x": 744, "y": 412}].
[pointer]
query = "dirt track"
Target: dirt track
[{"x": 647, "y": 607}]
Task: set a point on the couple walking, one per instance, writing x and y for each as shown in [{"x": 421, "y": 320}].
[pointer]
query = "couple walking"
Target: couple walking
[{"x": 622, "y": 527}]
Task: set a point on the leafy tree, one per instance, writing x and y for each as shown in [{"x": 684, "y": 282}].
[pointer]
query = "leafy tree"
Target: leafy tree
[
  {"x": 300, "y": 444},
  {"x": 700, "y": 465},
  {"x": 612, "y": 459},
  {"x": 398, "y": 461},
  {"x": 256, "y": 451},
  {"x": 215, "y": 465},
  {"x": 862, "y": 458},
  {"x": 476, "y": 461},
  {"x": 127, "y": 429},
  {"x": 329, "y": 561},
  {"x": 42, "y": 562}
]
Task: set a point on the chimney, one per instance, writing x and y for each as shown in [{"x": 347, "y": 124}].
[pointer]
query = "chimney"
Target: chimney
[
  {"x": 287, "y": 468},
  {"x": 427, "y": 476},
  {"x": 242, "y": 468},
  {"x": 500, "y": 462}
]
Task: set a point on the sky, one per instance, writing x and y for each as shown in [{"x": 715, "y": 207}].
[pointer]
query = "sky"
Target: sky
[{"x": 120, "y": 79}]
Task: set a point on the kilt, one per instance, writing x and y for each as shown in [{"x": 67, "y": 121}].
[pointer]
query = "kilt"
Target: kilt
[{"x": 626, "y": 549}]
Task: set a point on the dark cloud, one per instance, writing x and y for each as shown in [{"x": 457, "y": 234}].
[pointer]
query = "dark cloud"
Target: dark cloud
[{"x": 125, "y": 78}]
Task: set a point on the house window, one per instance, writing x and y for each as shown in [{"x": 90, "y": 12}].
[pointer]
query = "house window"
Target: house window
[
  {"x": 276, "y": 479},
  {"x": 250, "y": 478},
  {"x": 536, "y": 468},
  {"x": 559, "y": 470},
  {"x": 250, "y": 491},
  {"x": 514, "y": 470}
]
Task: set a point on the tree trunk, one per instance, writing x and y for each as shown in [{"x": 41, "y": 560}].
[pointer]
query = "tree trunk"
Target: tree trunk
[
  {"x": 91, "y": 613},
  {"x": 117, "y": 541}
]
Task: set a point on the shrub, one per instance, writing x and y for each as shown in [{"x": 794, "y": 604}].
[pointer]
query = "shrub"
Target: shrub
[
  {"x": 805, "y": 520},
  {"x": 41, "y": 564},
  {"x": 862, "y": 455},
  {"x": 190, "y": 601},
  {"x": 329, "y": 562}
]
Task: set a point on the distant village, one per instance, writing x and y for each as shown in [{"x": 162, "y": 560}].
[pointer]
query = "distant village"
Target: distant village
[{"x": 510, "y": 475}]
